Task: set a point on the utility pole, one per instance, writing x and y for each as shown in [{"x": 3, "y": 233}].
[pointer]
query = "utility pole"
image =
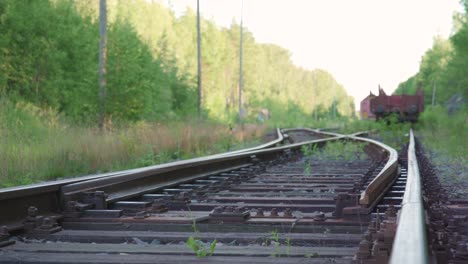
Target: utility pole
[
  {"x": 102, "y": 61},
  {"x": 334, "y": 101},
  {"x": 200, "y": 92},
  {"x": 240, "y": 65},
  {"x": 315, "y": 96},
  {"x": 433, "y": 93}
]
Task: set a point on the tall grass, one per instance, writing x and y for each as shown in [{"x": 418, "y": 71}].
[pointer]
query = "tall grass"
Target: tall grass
[
  {"x": 445, "y": 133},
  {"x": 37, "y": 144},
  {"x": 387, "y": 130}
]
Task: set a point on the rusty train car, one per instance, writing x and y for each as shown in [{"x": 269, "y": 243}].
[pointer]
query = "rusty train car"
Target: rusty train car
[{"x": 407, "y": 107}]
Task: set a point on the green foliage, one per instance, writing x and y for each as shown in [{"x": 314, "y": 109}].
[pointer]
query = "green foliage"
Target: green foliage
[
  {"x": 444, "y": 136},
  {"x": 307, "y": 152},
  {"x": 444, "y": 66},
  {"x": 48, "y": 53},
  {"x": 274, "y": 239},
  {"x": 49, "y": 57},
  {"x": 344, "y": 150},
  {"x": 198, "y": 246},
  {"x": 200, "y": 249},
  {"x": 39, "y": 144},
  {"x": 445, "y": 133},
  {"x": 388, "y": 130}
]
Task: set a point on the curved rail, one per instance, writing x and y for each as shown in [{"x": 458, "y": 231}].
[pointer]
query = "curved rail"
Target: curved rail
[
  {"x": 383, "y": 181},
  {"x": 14, "y": 201},
  {"x": 164, "y": 175},
  {"x": 52, "y": 196},
  {"x": 410, "y": 244},
  {"x": 280, "y": 139}
]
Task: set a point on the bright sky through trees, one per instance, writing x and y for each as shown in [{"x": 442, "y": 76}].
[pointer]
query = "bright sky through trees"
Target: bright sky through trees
[{"x": 362, "y": 43}]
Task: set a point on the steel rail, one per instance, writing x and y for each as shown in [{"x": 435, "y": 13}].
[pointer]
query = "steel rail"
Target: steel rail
[
  {"x": 280, "y": 138},
  {"x": 14, "y": 201},
  {"x": 162, "y": 176},
  {"x": 324, "y": 132},
  {"x": 410, "y": 244},
  {"x": 52, "y": 196},
  {"x": 152, "y": 178},
  {"x": 383, "y": 181}
]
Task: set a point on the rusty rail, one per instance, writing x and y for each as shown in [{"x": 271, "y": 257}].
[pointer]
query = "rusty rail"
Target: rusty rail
[
  {"x": 383, "y": 181},
  {"x": 410, "y": 244},
  {"x": 46, "y": 195},
  {"x": 162, "y": 176}
]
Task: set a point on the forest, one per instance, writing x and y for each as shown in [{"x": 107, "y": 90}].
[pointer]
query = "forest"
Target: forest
[
  {"x": 49, "y": 58},
  {"x": 443, "y": 68},
  {"x": 49, "y": 88}
]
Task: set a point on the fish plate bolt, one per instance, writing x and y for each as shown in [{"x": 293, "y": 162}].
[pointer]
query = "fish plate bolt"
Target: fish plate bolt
[
  {"x": 260, "y": 212},
  {"x": 320, "y": 217},
  {"x": 32, "y": 212},
  {"x": 49, "y": 225},
  {"x": 365, "y": 247},
  {"x": 287, "y": 213},
  {"x": 274, "y": 212},
  {"x": 391, "y": 212},
  {"x": 32, "y": 220}
]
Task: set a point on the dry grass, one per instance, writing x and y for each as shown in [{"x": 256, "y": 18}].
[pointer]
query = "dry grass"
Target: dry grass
[{"x": 33, "y": 151}]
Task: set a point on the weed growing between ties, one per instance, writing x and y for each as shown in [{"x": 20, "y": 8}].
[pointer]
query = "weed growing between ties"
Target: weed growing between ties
[
  {"x": 308, "y": 151},
  {"x": 199, "y": 247},
  {"x": 274, "y": 240},
  {"x": 37, "y": 144},
  {"x": 336, "y": 150}
]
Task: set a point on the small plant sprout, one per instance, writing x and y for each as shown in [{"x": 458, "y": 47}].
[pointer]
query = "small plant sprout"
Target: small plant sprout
[{"x": 197, "y": 246}]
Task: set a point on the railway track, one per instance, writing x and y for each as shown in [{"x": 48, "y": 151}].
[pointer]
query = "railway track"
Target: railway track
[{"x": 272, "y": 204}]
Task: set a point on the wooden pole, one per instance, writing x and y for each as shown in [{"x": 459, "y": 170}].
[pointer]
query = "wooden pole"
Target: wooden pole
[
  {"x": 315, "y": 96},
  {"x": 102, "y": 61},
  {"x": 200, "y": 91},
  {"x": 240, "y": 65}
]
